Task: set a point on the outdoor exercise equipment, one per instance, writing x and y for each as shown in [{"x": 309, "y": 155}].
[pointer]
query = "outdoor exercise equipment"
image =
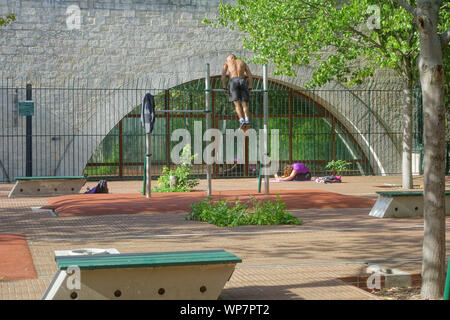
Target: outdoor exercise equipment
[
  {"x": 265, "y": 126},
  {"x": 207, "y": 112},
  {"x": 148, "y": 163},
  {"x": 46, "y": 186},
  {"x": 401, "y": 204},
  {"x": 181, "y": 275}
]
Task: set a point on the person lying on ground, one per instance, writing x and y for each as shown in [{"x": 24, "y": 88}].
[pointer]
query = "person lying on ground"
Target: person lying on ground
[{"x": 290, "y": 172}]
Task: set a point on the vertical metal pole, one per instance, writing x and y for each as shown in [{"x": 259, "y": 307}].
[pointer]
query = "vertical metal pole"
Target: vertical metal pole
[
  {"x": 369, "y": 129},
  {"x": 447, "y": 283},
  {"x": 148, "y": 164},
  {"x": 29, "y": 137},
  {"x": 291, "y": 124},
  {"x": 121, "y": 149},
  {"x": 168, "y": 120},
  {"x": 208, "y": 124},
  {"x": 266, "y": 125}
]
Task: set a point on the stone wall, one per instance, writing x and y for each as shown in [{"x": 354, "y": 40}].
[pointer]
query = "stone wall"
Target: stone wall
[
  {"x": 150, "y": 43},
  {"x": 117, "y": 39}
]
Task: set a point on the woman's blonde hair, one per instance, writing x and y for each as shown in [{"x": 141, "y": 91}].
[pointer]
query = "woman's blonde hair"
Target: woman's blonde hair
[{"x": 287, "y": 171}]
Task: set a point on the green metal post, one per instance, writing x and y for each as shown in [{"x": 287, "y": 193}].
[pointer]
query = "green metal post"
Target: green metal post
[
  {"x": 447, "y": 283},
  {"x": 143, "y": 181},
  {"x": 208, "y": 124},
  {"x": 259, "y": 178},
  {"x": 148, "y": 175},
  {"x": 29, "y": 136},
  {"x": 266, "y": 125}
]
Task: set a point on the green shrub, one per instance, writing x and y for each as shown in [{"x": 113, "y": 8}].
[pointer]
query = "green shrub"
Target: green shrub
[
  {"x": 185, "y": 183},
  {"x": 338, "y": 166},
  {"x": 224, "y": 213}
]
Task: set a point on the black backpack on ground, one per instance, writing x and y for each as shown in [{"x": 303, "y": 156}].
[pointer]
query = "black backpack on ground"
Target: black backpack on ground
[{"x": 101, "y": 187}]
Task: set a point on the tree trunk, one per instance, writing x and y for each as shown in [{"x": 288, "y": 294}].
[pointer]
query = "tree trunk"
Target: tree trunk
[
  {"x": 407, "y": 180},
  {"x": 432, "y": 82}
]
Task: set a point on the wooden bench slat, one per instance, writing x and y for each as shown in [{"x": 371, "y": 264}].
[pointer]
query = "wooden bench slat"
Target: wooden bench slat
[
  {"x": 50, "y": 178},
  {"x": 404, "y": 193},
  {"x": 147, "y": 259},
  {"x": 139, "y": 262}
]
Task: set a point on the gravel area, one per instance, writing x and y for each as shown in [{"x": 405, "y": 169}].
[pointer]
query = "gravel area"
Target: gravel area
[{"x": 412, "y": 293}]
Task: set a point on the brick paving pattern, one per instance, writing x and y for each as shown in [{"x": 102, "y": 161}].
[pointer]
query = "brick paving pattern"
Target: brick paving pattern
[{"x": 279, "y": 262}]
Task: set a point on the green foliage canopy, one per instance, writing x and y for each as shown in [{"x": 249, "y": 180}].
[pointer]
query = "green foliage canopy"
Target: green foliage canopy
[{"x": 343, "y": 39}]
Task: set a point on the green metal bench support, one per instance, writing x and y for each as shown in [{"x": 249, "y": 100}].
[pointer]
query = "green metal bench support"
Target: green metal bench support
[
  {"x": 186, "y": 275},
  {"x": 447, "y": 282}
]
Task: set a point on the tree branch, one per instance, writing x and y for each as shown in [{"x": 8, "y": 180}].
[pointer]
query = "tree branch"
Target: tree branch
[
  {"x": 407, "y": 7},
  {"x": 445, "y": 38},
  {"x": 362, "y": 35}
]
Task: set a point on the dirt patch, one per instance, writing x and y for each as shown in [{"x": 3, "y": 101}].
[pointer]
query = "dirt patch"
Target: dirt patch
[
  {"x": 16, "y": 262},
  {"x": 179, "y": 202}
]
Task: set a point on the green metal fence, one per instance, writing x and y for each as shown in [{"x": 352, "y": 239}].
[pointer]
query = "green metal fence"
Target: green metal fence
[{"x": 77, "y": 129}]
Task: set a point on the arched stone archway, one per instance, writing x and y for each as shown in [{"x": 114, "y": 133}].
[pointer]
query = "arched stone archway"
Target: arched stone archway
[{"x": 105, "y": 111}]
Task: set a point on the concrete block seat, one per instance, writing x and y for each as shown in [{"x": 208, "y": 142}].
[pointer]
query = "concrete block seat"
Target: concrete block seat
[
  {"x": 46, "y": 186},
  {"x": 402, "y": 204},
  {"x": 180, "y": 275}
]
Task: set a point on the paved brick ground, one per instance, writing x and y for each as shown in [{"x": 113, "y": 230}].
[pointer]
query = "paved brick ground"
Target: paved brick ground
[{"x": 279, "y": 262}]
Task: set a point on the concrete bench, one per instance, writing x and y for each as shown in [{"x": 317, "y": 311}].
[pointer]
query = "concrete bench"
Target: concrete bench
[
  {"x": 46, "y": 186},
  {"x": 188, "y": 275},
  {"x": 402, "y": 204}
]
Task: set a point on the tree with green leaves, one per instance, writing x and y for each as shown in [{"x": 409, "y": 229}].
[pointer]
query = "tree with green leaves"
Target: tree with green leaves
[
  {"x": 10, "y": 18},
  {"x": 433, "y": 45},
  {"x": 345, "y": 41}
]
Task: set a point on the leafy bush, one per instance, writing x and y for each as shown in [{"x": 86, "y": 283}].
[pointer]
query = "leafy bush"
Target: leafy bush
[
  {"x": 338, "y": 166},
  {"x": 224, "y": 213},
  {"x": 185, "y": 183}
]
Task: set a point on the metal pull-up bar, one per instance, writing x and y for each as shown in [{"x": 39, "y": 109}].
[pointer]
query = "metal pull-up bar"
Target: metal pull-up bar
[
  {"x": 148, "y": 154},
  {"x": 224, "y": 90},
  {"x": 264, "y": 90},
  {"x": 265, "y": 151},
  {"x": 182, "y": 111},
  {"x": 207, "y": 113}
]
